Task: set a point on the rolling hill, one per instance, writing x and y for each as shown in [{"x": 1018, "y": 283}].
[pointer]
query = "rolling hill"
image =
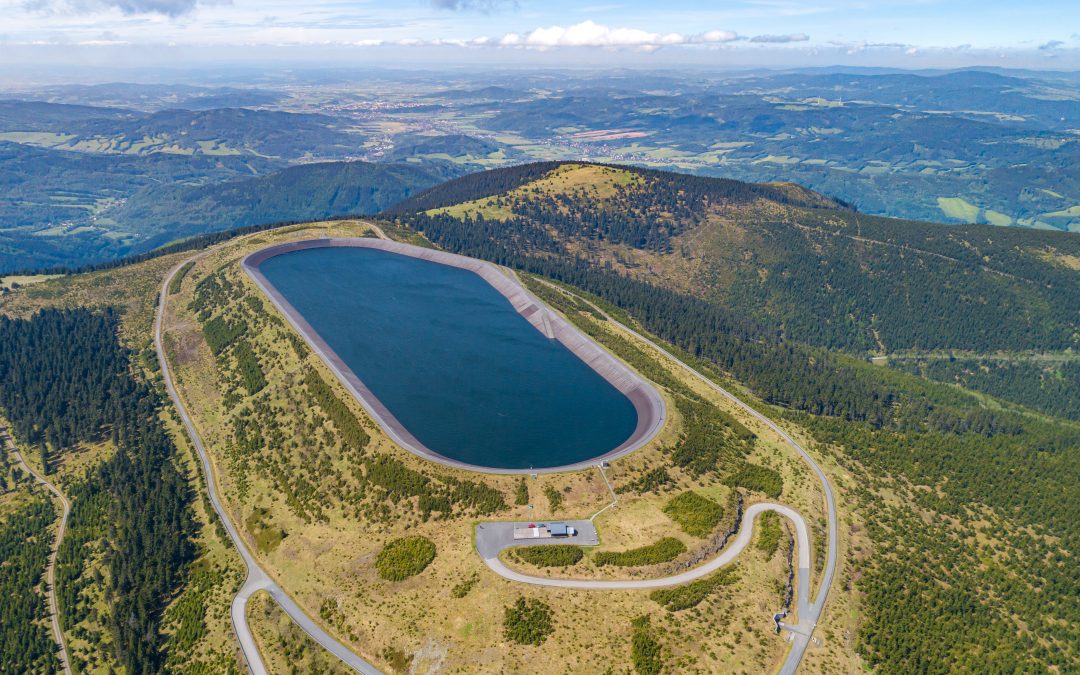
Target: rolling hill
[
  {"x": 954, "y": 501},
  {"x": 305, "y": 192},
  {"x": 90, "y": 208},
  {"x": 774, "y": 255}
]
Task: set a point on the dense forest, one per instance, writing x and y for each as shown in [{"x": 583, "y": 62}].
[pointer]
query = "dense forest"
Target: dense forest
[
  {"x": 1012, "y": 466},
  {"x": 1049, "y": 387},
  {"x": 74, "y": 384},
  {"x": 26, "y": 644}
]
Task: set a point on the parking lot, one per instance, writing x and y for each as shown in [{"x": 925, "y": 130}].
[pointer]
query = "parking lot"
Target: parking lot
[{"x": 491, "y": 538}]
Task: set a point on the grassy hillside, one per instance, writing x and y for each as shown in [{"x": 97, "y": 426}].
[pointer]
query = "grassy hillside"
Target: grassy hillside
[
  {"x": 948, "y": 500},
  {"x": 321, "y": 491},
  {"x": 775, "y": 255}
]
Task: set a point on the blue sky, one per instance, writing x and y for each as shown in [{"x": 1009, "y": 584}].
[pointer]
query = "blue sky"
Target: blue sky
[{"x": 734, "y": 33}]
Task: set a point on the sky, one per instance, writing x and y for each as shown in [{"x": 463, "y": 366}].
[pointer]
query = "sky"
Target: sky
[{"x": 1042, "y": 34}]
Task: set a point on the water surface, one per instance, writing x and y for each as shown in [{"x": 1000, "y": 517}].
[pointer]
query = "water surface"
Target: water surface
[{"x": 452, "y": 360}]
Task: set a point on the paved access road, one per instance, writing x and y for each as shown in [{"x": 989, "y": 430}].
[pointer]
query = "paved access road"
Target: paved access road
[
  {"x": 257, "y": 578},
  {"x": 809, "y": 612},
  {"x": 490, "y": 552},
  {"x": 50, "y": 571}
]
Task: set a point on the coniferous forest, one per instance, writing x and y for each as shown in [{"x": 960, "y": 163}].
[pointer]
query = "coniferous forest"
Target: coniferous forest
[
  {"x": 73, "y": 383},
  {"x": 25, "y": 642}
]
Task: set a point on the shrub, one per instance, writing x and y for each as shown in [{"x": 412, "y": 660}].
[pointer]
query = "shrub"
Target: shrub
[
  {"x": 710, "y": 439},
  {"x": 652, "y": 481},
  {"x": 758, "y": 479},
  {"x": 250, "y": 373},
  {"x": 769, "y": 533},
  {"x": 691, "y": 594},
  {"x": 404, "y": 558},
  {"x": 662, "y": 551},
  {"x": 528, "y": 622},
  {"x": 695, "y": 514},
  {"x": 340, "y": 415},
  {"x": 521, "y": 495},
  {"x": 178, "y": 278},
  {"x": 479, "y": 496},
  {"x": 554, "y": 555},
  {"x": 462, "y": 589},
  {"x": 645, "y": 650},
  {"x": 219, "y": 334},
  {"x": 554, "y": 498}
]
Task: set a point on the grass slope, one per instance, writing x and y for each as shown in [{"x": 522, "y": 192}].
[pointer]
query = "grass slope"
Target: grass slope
[{"x": 779, "y": 255}]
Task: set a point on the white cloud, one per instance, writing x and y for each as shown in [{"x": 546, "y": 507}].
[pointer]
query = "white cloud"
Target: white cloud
[
  {"x": 171, "y": 8},
  {"x": 484, "y": 6},
  {"x": 1051, "y": 45},
  {"x": 592, "y": 34},
  {"x": 779, "y": 39}
]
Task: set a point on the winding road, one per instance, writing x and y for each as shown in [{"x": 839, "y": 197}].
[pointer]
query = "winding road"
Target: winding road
[
  {"x": 808, "y": 612},
  {"x": 257, "y": 578},
  {"x": 50, "y": 571},
  {"x": 726, "y": 556}
]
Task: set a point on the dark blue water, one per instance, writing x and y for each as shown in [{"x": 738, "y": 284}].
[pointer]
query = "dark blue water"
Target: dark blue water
[{"x": 447, "y": 354}]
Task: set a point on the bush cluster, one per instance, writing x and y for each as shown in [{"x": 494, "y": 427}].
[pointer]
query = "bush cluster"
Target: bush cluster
[
  {"x": 662, "y": 551},
  {"x": 691, "y": 594},
  {"x": 404, "y": 558},
  {"x": 695, "y": 514},
  {"x": 528, "y": 622},
  {"x": 757, "y": 479},
  {"x": 554, "y": 555}
]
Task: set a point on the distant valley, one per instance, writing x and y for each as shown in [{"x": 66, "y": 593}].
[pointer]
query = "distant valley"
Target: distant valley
[{"x": 94, "y": 172}]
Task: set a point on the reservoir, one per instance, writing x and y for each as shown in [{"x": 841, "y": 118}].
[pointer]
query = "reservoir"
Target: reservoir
[{"x": 445, "y": 359}]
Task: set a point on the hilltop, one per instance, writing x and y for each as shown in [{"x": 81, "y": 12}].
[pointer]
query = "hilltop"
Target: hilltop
[{"x": 772, "y": 254}]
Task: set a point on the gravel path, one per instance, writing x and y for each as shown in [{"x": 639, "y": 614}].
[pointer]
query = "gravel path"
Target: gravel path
[{"x": 50, "y": 571}]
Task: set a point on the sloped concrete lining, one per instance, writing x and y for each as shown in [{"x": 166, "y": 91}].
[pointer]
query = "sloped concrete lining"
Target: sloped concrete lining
[{"x": 648, "y": 404}]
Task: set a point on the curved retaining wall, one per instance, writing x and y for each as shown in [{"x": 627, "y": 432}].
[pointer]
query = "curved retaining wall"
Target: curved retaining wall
[{"x": 648, "y": 404}]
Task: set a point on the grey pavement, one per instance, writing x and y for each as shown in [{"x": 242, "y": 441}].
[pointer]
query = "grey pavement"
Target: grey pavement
[{"x": 492, "y": 538}]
